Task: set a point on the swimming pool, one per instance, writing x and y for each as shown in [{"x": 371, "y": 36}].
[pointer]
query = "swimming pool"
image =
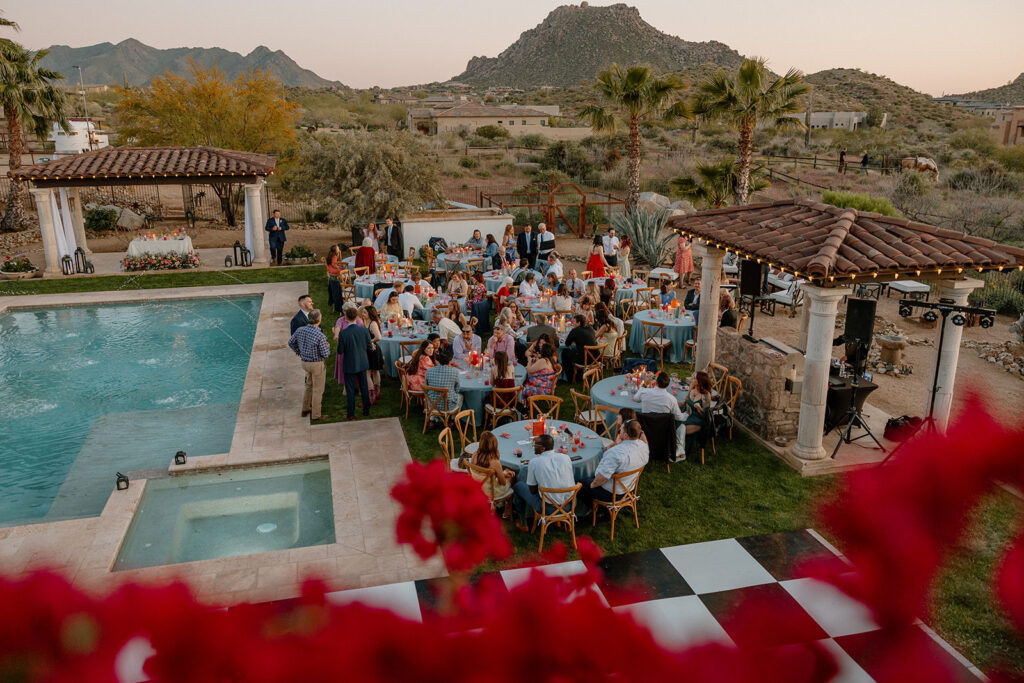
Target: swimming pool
[
  {"x": 87, "y": 391},
  {"x": 224, "y": 514}
]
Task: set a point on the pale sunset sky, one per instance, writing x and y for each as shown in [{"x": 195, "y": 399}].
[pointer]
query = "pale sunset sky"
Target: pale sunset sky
[{"x": 936, "y": 46}]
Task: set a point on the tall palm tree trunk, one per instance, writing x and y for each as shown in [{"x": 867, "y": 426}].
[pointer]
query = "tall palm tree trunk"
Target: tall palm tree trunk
[
  {"x": 14, "y": 218},
  {"x": 633, "y": 165},
  {"x": 746, "y": 151}
]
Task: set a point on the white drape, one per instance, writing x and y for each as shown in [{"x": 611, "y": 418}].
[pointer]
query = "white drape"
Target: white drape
[
  {"x": 62, "y": 228},
  {"x": 67, "y": 221}
]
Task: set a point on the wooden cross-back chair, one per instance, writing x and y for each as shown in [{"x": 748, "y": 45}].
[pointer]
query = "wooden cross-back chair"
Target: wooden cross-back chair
[
  {"x": 592, "y": 360},
  {"x": 361, "y": 270},
  {"x": 503, "y": 403},
  {"x": 408, "y": 395},
  {"x": 732, "y": 387},
  {"x": 654, "y": 338},
  {"x": 623, "y": 498},
  {"x": 602, "y": 424},
  {"x": 407, "y": 348},
  {"x": 590, "y": 378},
  {"x": 563, "y": 513},
  {"x": 435, "y": 405},
  {"x": 581, "y": 407},
  {"x": 717, "y": 374},
  {"x": 645, "y": 298},
  {"x": 488, "y": 480},
  {"x": 542, "y": 404}
]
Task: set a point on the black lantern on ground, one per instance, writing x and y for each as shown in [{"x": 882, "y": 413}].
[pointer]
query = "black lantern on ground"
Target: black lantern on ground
[
  {"x": 179, "y": 458},
  {"x": 89, "y": 267},
  {"x": 80, "y": 262},
  {"x": 246, "y": 257},
  {"x": 237, "y": 249},
  {"x": 67, "y": 266},
  {"x": 227, "y": 261},
  {"x": 122, "y": 482}
]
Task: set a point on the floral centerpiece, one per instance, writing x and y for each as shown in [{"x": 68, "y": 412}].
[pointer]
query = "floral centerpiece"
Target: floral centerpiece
[
  {"x": 178, "y": 234},
  {"x": 18, "y": 268},
  {"x": 172, "y": 261},
  {"x": 299, "y": 254}
]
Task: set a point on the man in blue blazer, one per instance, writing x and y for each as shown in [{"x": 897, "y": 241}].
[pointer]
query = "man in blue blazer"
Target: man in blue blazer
[
  {"x": 276, "y": 226},
  {"x": 356, "y": 345},
  {"x": 526, "y": 245}
]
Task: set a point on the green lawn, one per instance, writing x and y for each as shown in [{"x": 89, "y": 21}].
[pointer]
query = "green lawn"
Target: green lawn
[{"x": 744, "y": 490}]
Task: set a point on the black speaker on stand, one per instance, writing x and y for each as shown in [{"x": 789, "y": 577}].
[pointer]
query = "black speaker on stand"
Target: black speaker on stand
[
  {"x": 751, "y": 279},
  {"x": 859, "y": 331}
]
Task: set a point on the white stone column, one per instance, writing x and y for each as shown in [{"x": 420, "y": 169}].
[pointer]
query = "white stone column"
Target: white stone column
[
  {"x": 707, "y": 320},
  {"x": 78, "y": 219},
  {"x": 958, "y": 291},
  {"x": 823, "y": 303},
  {"x": 254, "y": 212},
  {"x": 47, "y": 229},
  {"x": 805, "y": 320}
]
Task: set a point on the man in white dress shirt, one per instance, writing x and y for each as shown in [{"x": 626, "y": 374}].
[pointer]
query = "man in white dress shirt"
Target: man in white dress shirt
[
  {"x": 629, "y": 455},
  {"x": 448, "y": 330},
  {"x": 611, "y": 248},
  {"x": 545, "y": 242},
  {"x": 407, "y": 300},
  {"x": 657, "y": 399},
  {"x": 554, "y": 265},
  {"x": 549, "y": 469}
]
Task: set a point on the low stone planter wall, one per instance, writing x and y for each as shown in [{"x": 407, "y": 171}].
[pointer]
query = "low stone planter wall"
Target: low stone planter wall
[{"x": 765, "y": 406}]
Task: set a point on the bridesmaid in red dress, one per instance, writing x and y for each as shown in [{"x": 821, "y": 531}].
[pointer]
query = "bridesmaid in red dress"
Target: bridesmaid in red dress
[{"x": 596, "y": 263}]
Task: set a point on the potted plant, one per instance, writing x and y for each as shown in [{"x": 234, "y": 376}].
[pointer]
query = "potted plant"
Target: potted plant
[
  {"x": 299, "y": 254},
  {"x": 18, "y": 268}
]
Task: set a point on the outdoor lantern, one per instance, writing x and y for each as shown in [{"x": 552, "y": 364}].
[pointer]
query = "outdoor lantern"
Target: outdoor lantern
[
  {"x": 238, "y": 253},
  {"x": 246, "y": 257},
  {"x": 227, "y": 261},
  {"x": 67, "y": 266},
  {"x": 80, "y": 262},
  {"x": 89, "y": 267},
  {"x": 179, "y": 458},
  {"x": 122, "y": 482}
]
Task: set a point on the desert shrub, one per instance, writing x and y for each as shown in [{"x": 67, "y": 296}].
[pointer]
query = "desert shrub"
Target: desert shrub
[
  {"x": 483, "y": 174},
  {"x": 97, "y": 220},
  {"x": 990, "y": 178},
  {"x": 300, "y": 251},
  {"x": 1002, "y": 291},
  {"x": 860, "y": 202},
  {"x": 521, "y": 217},
  {"x": 910, "y": 188},
  {"x": 977, "y": 140},
  {"x": 490, "y": 132},
  {"x": 469, "y": 162},
  {"x": 1011, "y": 157},
  {"x": 531, "y": 141},
  {"x": 647, "y": 231},
  {"x": 568, "y": 157},
  {"x": 722, "y": 143}
]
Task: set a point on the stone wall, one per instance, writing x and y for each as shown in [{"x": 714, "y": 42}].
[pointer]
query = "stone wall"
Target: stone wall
[{"x": 764, "y": 406}]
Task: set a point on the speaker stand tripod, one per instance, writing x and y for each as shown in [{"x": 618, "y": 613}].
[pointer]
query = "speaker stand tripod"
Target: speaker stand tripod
[{"x": 853, "y": 416}]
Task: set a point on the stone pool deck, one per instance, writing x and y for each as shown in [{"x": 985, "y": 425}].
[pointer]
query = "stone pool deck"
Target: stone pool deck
[{"x": 366, "y": 458}]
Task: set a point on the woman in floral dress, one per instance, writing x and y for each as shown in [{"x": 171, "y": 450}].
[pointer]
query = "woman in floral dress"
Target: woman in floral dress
[{"x": 684, "y": 260}]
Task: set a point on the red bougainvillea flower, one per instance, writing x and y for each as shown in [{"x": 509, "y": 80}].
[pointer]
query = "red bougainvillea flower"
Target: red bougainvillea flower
[{"x": 448, "y": 511}]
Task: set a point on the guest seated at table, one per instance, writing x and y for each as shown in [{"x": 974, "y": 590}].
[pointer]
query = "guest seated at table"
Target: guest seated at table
[
  {"x": 422, "y": 360},
  {"x": 551, "y": 281},
  {"x": 457, "y": 287},
  {"x": 554, "y": 265},
  {"x": 477, "y": 289},
  {"x": 630, "y": 454},
  {"x": 408, "y": 299},
  {"x": 529, "y": 289},
  {"x": 657, "y": 399},
  {"x": 728, "y": 318},
  {"x": 606, "y": 332},
  {"x": 503, "y": 293},
  {"x": 592, "y": 291},
  {"x": 620, "y": 327},
  {"x": 608, "y": 292},
  {"x": 492, "y": 253},
  {"x": 392, "y": 308},
  {"x": 698, "y": 402},
  {"x": 581, "y": 336},
  {"x": 476, "y": 241},
  {"x": 487, "y": 457},
  {"x": 448, "y": 329},
  {"x": 503, "y": 374},
  {"x": 365, "y": 256},
  {"x": 585, "y": 308},
  {"x": 444, "y": 376},
  {"x": 511, "y": 315},
  {"x": 623, "y": 418},
  {"x": 466, "y": 343},
  {"x": 501, "y": 340},
  {"x": 541, "y": 359},
  {"x": 533, "y": 333},
  {"x": 419, "y": 285},
  {"x": 574, "y": 284},
  {"x": 455, "y": 313},
  {"x": 549, "y": 469},
  {"x": 561, "y": 302},
  {"x": 691, "y": 301},
  {"x": 668, "y": 295}
]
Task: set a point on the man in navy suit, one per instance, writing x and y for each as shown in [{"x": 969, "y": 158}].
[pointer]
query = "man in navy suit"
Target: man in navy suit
[
  {"x": 301, "y": 318},
  {"x": 355, "y": 343},
  {"x": 276, "y": 226},
  {"x": 526, "y": 245},
  {"x": 393, "y": 240}
]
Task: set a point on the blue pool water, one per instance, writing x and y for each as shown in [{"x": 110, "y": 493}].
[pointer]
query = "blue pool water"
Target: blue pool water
[{"x": 87, "y": 391}]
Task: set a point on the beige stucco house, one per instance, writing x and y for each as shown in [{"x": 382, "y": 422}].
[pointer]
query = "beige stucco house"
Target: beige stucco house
[{"x": 470, "y": 116}]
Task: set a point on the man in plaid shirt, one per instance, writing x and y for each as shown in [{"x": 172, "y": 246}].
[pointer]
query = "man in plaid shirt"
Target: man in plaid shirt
[
  {"x": 444, "y": 376},
  {"x": 310, "y": 344}
]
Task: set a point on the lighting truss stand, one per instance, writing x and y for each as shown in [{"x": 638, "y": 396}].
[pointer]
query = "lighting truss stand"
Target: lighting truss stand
[{"x": 943, "y": 308}]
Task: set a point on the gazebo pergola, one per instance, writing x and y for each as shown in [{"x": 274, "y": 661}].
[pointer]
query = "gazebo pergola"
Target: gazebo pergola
[
  {"x": 55, "y": 185},
  {"x": 829, "y": 248}
]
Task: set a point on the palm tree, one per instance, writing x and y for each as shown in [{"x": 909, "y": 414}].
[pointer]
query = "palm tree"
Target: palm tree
[
  {"x": 29, "y": 100},
  {"x": 635, "y": 95},
  {"x": 747, "y": 100},
  {"x": 715, "y": 184}
]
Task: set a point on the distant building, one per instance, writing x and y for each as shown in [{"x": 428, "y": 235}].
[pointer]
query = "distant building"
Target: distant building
[
  {"x": 989, "y": 109},
  {"x": 842, "y": 120},
  {"x": 549, "y": 109},
  {"x": 1008, "y": 126},
  {"x": 470, "y": 116},
  {"x": 83, "y": 136}
]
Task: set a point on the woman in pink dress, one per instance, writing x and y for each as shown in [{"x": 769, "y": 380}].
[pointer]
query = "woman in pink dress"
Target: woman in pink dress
[
  {"x": 338, "y": 327},
  {"x": 684, "y": 260}
]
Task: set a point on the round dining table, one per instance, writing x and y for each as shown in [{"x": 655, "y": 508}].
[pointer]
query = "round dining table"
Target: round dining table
[
  {"x": 475, "y": 388},
  {"x": 365, "y": 285},
  {"x": 446, "y": 262},
  {"x": 351, "y": 260},
  {"x": 519, "y": 437},
  {"x": 439, "y": 301},
  {"x": 494, "y": 278},
  {"x": 677, "y": 330},
  {"x": 614, "y": 393},
  {"x": 390, "y": 343}
]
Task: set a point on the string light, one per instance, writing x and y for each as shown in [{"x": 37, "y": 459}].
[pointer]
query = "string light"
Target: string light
[
  {"x": 875, "y": 274},
  {"x": 938, "y": 271}
]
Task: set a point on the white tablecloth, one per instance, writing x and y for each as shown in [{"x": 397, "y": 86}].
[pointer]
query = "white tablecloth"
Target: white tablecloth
[{"x": 138, "y": 247}]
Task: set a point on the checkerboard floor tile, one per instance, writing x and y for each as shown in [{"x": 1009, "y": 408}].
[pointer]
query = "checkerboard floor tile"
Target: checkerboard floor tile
[{"x": 686, "y": 595}]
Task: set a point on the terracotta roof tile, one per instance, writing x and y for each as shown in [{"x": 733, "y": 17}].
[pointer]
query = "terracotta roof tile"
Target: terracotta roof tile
[
  {"x": 821, "y": 241},
  {"x": 149, "y": 162}
]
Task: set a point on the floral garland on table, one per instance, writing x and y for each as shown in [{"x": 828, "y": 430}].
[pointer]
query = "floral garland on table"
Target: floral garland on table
[{"x": 171, "y": 261}]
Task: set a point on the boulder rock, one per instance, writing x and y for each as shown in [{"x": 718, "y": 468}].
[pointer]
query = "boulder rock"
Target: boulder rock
[
  {"x": 682, "y": 205},
  {"x": 129, "y": 220},
  {"x": 652, "y": 201}
]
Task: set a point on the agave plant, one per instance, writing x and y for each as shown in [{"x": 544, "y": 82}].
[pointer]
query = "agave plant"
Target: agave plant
[{"x": 647, "y": 231}]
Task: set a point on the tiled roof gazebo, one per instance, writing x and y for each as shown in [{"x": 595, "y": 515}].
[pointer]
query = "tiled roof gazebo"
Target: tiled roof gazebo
[
  {"x": 827, "y": 247},
  {"x": 141, "y": 166}
]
